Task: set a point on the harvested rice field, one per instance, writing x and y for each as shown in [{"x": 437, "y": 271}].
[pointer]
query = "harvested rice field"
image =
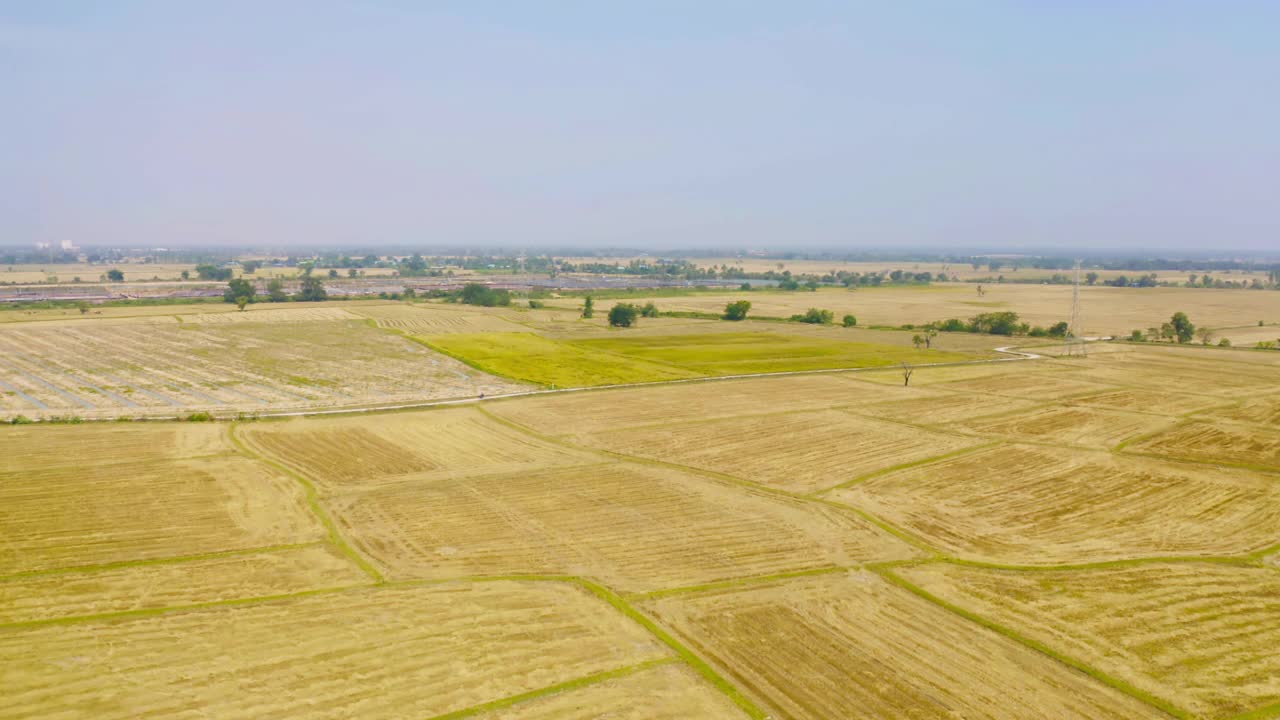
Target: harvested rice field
[
  {"x": 298, "y": 359},
  {"x": 1199, "y": 636},
  {"x": 634, "y": 527},
  {"x": 1036, "y": 505},
  {"x": 798, "y": 452},
  {"x": 423, "y": 446},
  {"x": 1072, "y": 425},
  {"x": 416, "y": 652},
  {"x": 853, "y": 645},
  {"x": 1070, "y": 538},
  {"x": 1217, "y": 443}
]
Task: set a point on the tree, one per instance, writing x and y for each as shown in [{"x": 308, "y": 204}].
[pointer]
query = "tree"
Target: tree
[
  {"x": 737, "y": 310},
  {"x": 311, "y": 290},
  {"x": 907, "y": 372},
  {"x": 997, "y": 323},
  {"x": 623, "y": 315},
  {"x": 788, "y": 284},
  {"x": 745, "y": 287},
  {"x": 186, "y": 275},
  {"x": 83, "y": 307},
  {"x": 1137, "y": 336},
  {"x": 1059, "y": 329},
  {"x": 814, "y": 316},
  {"x": 352, "y": 272},
  {"x": 1205, "y": 335},
  {"x": 849, "y": 321},
  {"x": 588, "y": 307},
  {"x": 649, "y": 310},
  {"x": 917, "y": 340},
  {"x": 250, "y": 266},
  {"x": 236, "y": 289},
  {"x": 477, "y": 294},
  {"x": 930, "y": 334},
  {"x": 205, "y": 271},
  {"x": 241, "y": 302},
  {"x": 1183, "y": 330},
  {"x": 1091, "y": 278},
  {"x": 275, "y": 290},
  {"x": 115, "y": 275},
  {"x": 332, "y": 273}
]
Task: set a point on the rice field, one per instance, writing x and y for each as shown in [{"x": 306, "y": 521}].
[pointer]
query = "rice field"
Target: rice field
[
  {"x": 633, "y": 527},
  {"x": 797, "y": 452},
  {"x": 1061, "y": 537},
  {"x": 223, "y": 364},
  {"x": 363, "y": 652},
  {"x": 425, "y": 446},
  {"x": 1217, "y": 443},
  {"x": 1037, "y": 505},
  {"x": 1199, "y": 636},
  {"x": 852, "y": 645}
]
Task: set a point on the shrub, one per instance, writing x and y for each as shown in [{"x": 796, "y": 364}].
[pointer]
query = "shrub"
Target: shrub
[
  {"x": 814, "y": 316},
  {"x": 623, "y": 315},
  {"x": 737, "y": 310},
  {"x": 850, "y": 321}
]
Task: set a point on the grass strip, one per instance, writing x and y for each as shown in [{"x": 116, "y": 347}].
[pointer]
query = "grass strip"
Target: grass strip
[
  {"x": 587, "y": 681},
  {"x": 1115, "y": 683},
  {"x": 313, "y": 501},
  {"x": 175, "y": 560},
  {"x": 698, "y": 664}
]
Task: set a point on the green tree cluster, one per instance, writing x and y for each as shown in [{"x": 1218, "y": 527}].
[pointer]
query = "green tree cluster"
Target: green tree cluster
[{"x": 737, "y": 310}]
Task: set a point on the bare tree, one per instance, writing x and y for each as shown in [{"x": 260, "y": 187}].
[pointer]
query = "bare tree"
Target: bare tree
[{"x": 907, "y": 370}]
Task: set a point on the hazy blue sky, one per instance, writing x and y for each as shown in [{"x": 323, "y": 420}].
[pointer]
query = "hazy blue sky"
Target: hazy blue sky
[{"x": 1081, "y": 124}]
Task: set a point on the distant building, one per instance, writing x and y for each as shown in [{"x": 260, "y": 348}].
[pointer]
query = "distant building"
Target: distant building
[{"x": 69, "y": 246}]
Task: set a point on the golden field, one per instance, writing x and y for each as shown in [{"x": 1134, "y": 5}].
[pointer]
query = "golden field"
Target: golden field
[{"x": 1053, "y": 537}]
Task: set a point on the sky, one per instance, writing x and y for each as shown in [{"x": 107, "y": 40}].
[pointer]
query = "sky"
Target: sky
[{"x": 1151, "y": 125}]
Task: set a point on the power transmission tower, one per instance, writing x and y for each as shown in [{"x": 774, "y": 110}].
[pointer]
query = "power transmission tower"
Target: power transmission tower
[{"x": 1075, "y": 340}]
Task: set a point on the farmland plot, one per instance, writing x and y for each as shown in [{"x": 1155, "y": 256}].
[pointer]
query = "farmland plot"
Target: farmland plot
[
  {"x": 437, "y": 319},
  {"x": 1257, "y": 411},
  {"x": 580, "y": 413},
  {"x": 93, "y": 515},
  {"x": 144, "y": 369},
  {"x": 1080, "y": 426},
  {"x": 800, "y": 452},
  {"x": 936, "y": 408},
  {"x": 634, "y": 527},
  {"x": 369, "y": 653},
  {"x": 1203, "y": 371},
  {"x": 1201, "y": 636},
  {"x": 1172, "y": 404},
  {"x": 1216, "y": 443},
  {"x": 344, "y": 453},
  {"x": 851, "y": 645},
  {"x": 1038, "y": 505},
  {"x": 669, "y": 692},
  {"x": 142, "y": 587}
]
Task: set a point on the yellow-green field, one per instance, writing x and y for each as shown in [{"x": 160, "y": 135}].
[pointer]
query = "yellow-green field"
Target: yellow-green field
[{"x": 1036, "y": 538}]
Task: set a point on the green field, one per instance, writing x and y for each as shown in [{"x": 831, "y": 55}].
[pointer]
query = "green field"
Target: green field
[
  {"x": 747, "y": 352},
  {"x": 536, "y": 359},
  {"x": 641, "y": 358}
]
